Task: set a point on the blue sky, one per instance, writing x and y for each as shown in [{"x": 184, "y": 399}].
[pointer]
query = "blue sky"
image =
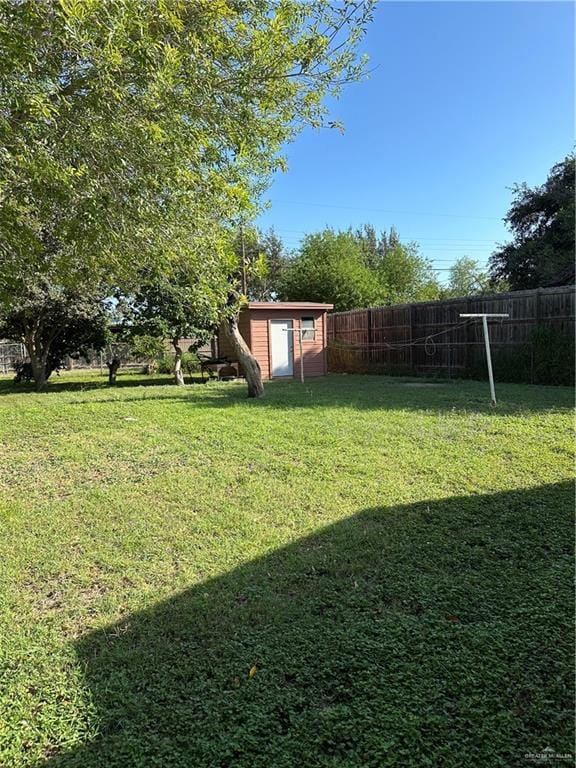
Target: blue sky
[{"x": 466, "y": 99}]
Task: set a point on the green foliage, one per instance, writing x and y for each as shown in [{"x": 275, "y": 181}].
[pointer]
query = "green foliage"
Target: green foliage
[
  {"x": 405, "y": 275},
  {"x": 174, "y": 305},
  {"x": 147, "y": 348},
  {"x": 466, "y": 278},
  {"x": 190, "y": 363},
  {"x": 131, "y": 132},
  {"x": 330, "y": 268},
  {"x": 55, "y": 323},
  {"x": 407, "y": 603},
  {"x": 354, "y": 269},
  {"x": 542, "y": 221}
]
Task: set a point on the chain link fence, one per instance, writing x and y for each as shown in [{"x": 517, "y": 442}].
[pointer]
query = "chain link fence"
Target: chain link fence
[{"x": 11, "y": 352}]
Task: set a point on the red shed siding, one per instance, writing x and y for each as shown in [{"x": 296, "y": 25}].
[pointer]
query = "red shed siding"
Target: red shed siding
[
  {"x": 254, "y": 325},
  {"x": 259, "y": 334},
  {"x": 314, "y": 351}
]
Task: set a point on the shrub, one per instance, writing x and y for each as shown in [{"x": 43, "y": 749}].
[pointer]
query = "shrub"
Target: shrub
[
  {"x": 190, "y": 363},
  {"x": 546, "y": 358},
  {"x": 148, "y": 349},
  {"x": 552, "y": 357}
]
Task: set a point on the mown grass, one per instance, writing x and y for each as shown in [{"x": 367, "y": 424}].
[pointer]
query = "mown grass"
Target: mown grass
[{"x": 358, "y": 571}]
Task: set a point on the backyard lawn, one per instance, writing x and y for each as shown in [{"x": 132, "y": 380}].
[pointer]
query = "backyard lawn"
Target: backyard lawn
[{"x": 357, "y": 572}]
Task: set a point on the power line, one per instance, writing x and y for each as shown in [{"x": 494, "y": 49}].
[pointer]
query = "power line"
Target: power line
[
  {"x": 405, "y": 237},
  {"x": 437, "y": 245},
  {"x": 386, "y": 210}
]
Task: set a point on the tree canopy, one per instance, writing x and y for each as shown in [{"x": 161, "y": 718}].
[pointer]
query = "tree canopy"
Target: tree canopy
[
  {"x": 404, "y": 274},
  {"x": 330, "y": 268},
  {"x": 132, "y": 133},
  {"x": 55, "y": 322},
  {"x": 542, "y": 223},
  {"x": 130, "y": 129},
  {"x": 466, "y": 278},
  {"x": 173, "y": 306},
  {"x": 355, "y": 269}
]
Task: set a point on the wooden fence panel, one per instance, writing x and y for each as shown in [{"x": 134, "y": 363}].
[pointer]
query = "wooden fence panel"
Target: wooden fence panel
[{"x": 431, "y": 337}]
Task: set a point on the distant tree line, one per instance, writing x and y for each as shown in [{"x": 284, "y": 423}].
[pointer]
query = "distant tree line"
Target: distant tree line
[
  {"x": 358, "y": 268},
  {"x": 352, "y": 269}
]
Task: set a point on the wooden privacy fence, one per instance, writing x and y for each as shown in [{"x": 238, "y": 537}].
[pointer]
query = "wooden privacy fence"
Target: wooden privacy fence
[{"x": 431, "y": 337}]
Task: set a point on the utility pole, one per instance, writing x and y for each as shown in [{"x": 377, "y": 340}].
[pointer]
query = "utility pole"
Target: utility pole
[
  {"x": 485, "y": 316},
  {"x": 299, "y": 331},
  {"x": 301, "y": 355},
  {"x": 243, "y": 261}
]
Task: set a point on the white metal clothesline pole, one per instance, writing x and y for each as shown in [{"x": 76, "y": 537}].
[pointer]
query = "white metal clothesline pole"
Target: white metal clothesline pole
[
  {"x": 299, "y": 331},
  {"x": 485, "y": 316}
]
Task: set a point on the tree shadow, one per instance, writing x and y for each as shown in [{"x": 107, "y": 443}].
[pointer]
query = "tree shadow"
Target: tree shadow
[
  {"x": 61, "y": 384},
  {"x": 365, "y": 392},
  {"x": 358, "y": 392},
  {"x": 437, "y": 633}
]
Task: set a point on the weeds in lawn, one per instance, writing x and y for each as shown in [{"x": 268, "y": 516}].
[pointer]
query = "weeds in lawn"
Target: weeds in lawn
[{"x": 392, "y": 561}]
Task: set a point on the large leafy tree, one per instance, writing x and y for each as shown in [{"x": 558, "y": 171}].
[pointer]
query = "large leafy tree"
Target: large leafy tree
[
  {"x": 330, "y": 268},
  {"x": 356, "y": 269},
  {"x": 541, "y": 220},
  {"x": 467, "y": 278},
  {"x": 174, "y": 306},
  {"x": 54, "y": 323},
  {"x": 131, "y": 132},
  {"x": 405, "y": 275}
]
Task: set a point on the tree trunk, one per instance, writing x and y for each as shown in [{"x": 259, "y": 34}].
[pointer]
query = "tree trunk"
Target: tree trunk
[
  {"x": 246, "y": 358},
  {"x": 37, "y": 360},
  {"x": 178, "y": 375},
  {"x": 113, "y": 366},
  {"x": 38, "y": 371}
]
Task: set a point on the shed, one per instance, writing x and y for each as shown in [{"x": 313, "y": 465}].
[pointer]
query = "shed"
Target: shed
[{"x": 267, "y": 327}]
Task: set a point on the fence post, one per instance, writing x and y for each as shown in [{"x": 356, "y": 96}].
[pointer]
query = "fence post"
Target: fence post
[
  {"x": 369, "y": 334},
  {"x": 538, "y": 314},
  {"x": 468, "y": 333},
  {"x": 410, "y": 336}
]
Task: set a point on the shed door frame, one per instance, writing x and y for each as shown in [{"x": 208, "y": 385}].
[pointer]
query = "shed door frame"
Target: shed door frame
[{"x": 289, "y": 322}]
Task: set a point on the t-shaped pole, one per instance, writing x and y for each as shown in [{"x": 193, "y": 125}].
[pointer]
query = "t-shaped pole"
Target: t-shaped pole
[
  {"x": 299, "y": 331},
  {"x": 485, "y": 317}
]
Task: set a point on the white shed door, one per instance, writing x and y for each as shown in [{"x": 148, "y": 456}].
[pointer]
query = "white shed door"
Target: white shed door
[{"x": 281, "y": 343}]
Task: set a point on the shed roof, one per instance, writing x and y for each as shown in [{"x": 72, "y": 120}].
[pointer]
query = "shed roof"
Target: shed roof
[{"x": 284, "y": 305}]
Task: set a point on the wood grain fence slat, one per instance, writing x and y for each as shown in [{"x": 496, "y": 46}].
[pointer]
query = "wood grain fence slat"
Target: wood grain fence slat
[{"x": 397, "y": 338}]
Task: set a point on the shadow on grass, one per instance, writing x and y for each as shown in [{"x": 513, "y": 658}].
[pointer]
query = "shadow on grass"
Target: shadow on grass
[
  {"x": 58, "y": 384},
  {"x": 360, "y": 392},
  {"x": 437, "y": 633}
]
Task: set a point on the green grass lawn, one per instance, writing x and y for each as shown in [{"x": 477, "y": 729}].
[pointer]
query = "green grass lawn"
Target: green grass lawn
[{"x": 357, "y": 572}]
